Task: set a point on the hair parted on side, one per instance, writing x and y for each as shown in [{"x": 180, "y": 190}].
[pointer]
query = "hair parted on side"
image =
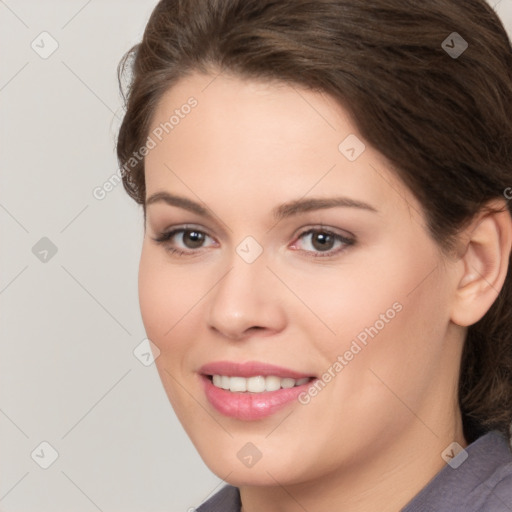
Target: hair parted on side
[{"x": 443, "y": 123}]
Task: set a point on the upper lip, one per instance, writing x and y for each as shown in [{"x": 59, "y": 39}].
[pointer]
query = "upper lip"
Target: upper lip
[{"x": 249, "y": 369}]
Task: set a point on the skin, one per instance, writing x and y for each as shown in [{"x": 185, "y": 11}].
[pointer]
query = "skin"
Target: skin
[{"x": 373, "y": 437}]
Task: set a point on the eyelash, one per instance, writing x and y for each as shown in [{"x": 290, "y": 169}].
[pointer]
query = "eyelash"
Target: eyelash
[{"x": 165, "y": 237}]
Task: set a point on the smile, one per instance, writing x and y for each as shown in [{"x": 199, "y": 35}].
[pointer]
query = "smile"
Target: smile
[
  {"x": 258, "y": 384},
  {"x": 251, "y": 390}
]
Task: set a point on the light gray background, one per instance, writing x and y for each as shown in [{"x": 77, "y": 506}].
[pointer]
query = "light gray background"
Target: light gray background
[{"x": 69, "y": 325}]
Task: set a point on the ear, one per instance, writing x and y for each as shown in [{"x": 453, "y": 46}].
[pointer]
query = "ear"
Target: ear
[{"x": 483, "y": 264}]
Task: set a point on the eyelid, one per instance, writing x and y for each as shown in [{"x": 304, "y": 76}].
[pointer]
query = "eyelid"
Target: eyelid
[
  {"x": 347, "y": 239},
  {"x": 180, "y": 216},
  {"x": 167, "y": 234},
  {"x": 323, "y": 228}
]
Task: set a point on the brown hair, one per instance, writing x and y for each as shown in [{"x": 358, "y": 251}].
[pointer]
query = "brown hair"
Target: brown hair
[{"x": 443, "y": 121}]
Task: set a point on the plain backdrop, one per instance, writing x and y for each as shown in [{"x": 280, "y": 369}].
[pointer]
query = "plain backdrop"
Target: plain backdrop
[{"x": 74, "y": 396}]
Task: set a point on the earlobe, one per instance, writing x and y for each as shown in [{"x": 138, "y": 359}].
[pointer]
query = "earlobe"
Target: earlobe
[{"x": 484, "y": 263}]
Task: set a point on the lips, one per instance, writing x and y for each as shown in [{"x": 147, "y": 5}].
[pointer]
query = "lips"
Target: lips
[{"x": 252, "y": 390}]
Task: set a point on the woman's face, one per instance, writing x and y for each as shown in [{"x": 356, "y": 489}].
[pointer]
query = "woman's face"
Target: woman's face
[{"x": 300, "y": 271}]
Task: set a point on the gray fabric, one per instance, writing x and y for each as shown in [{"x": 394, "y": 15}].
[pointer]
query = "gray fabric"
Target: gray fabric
[
  {"x": 226, "y": 500},
  {"x": 482, "y": 483}
]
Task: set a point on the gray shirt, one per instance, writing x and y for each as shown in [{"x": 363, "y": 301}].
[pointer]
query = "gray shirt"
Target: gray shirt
[{"x": 481, "y": 483}]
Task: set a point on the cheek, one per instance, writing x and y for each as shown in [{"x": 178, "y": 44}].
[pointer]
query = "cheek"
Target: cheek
[
  {"x": 389, "y": 316},
  {"x": 165, "y": 301},
  {"x": 165, "y": 296},
  {"x": 337, "y": 305},
  {"x": 172, "y": 301},
  {"x": 399, "y": 349},
  {"x": 153, "y": 297}
]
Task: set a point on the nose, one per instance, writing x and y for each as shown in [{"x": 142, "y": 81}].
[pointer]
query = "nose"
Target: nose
[{"x": 246, "y": 301}]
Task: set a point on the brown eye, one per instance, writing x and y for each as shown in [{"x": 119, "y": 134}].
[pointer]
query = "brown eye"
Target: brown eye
[
  {"x": 193, "y": 239},
  {"x": 322, "y": 241},
  {"x": 185, "y": 241}
]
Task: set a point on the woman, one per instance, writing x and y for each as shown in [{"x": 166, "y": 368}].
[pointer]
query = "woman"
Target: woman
[{"x": 327, "y": 239}]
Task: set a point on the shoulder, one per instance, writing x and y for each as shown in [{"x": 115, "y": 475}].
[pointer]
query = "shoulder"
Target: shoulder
[
  {"x": 496, "y": 490},
  {"x": 480, "y": 482},
  {"x": 226, "y": 500}
]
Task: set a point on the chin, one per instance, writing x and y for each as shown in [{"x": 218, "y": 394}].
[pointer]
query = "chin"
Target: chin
[{"x": 240, "y": 462}]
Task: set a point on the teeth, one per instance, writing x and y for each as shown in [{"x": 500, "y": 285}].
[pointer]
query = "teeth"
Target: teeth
[
  {"x": 254, "y": 384},
  {"x": 224, "y": 382},
  {"x": 272, "y": 383},
  {"x": 237, "y": 384},
  {"x": 257, "y": 384},
  {"x": 287, "y": 383}
]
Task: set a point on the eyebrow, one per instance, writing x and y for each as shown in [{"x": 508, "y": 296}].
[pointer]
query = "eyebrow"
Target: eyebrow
[{"x": 282, "y": 211}]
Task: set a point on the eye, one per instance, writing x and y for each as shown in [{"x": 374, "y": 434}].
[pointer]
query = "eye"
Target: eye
[
  {"x": 183, "y": 240},
  {"x": 319, "y": 242},
  {"x": 322, "y": 242}
]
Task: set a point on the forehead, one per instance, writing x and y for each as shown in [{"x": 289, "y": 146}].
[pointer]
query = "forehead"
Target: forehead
[
  {"x": 221, "y": 135},
  {"x": 251, "y": 112}
]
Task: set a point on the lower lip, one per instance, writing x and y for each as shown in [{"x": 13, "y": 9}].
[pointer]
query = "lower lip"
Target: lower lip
[{"x": 250, "y": 406}]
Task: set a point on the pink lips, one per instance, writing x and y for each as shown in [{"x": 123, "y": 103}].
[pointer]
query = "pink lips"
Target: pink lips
[{"x": 249, "y": 406}]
